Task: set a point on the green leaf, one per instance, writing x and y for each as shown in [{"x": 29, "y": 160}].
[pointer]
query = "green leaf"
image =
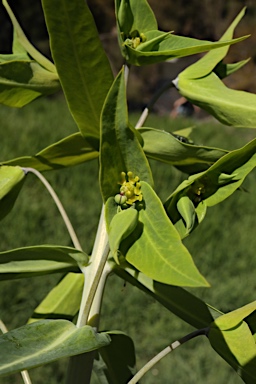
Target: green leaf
[
  {"x": 119, "y": 358},
  {"x": 72, "y": 150},
  {"x": 187, "y": 211},
  {"x": 121, "y": 226},
  {"x": 63, "y": 301},
  {"x": 160, "y": 46},
  {"x": 213, "y": 186},
  {"x": 40, "y": 260},
  {"x": 223, "y": 70},
  {"x": 206, "y": 64},
  {"x": 22, "y": 45},
  {"x": 23, "y": 81},
  {"x": 11, "y": 181},
  {"x": 81, "y": 62},
  {"x": 163, "y": 146},
  {"x": 159, "y": 254},
  {"x": 46, "y": 341},
  {"x": 176, "y": 299},
  {"x": 120, "y": 148},
  {"x": 231, "y": 337}
]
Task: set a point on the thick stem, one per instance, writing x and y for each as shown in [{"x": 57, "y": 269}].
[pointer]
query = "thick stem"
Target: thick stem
[
  {"x": 59, "y": 205},
  {"x": 165, "y": 352}
]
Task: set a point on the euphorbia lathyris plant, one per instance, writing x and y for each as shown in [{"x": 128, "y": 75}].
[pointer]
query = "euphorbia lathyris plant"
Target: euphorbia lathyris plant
[{"x": 139, "y": 237}]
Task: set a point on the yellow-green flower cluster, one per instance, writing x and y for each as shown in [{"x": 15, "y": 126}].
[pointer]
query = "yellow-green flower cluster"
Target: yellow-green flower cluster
[{"x": 130, "y": 190}]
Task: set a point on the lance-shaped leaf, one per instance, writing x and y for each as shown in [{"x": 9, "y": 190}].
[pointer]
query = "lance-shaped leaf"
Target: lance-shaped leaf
[
  {"x": 141, "y": 43},
  {"x": 231, "y": 337},
  {"x": 81, "y": 62},
  {"x": 11, "y": 181},
  {"x": 120, "y": 147},
  {"x": 118, "y": 360},
  {"x": 46, "y": 341},
  {"x": 40, "y": 260},
  {"x": 182, "y": 303},
  {"x": 159, "y": 254},
  {"x": 214, "y": 185},
  {"x": 63, "y": 301},
  {"x": 163, "y": 146},
  {"x": 72, "y": 150},
  {"x": 201, "y": 85}
]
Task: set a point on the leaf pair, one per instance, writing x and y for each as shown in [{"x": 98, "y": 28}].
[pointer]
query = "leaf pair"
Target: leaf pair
[{"x": 142, "y": 43}]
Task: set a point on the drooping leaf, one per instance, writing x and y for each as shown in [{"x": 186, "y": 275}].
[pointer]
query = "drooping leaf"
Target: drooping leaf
[
  {"x": 119, "y": 359},
  {"x": 11, "y": 181},
  {"x": 22, "y": 45},
  {"x": 163, "y": 146},
  {"x": 72, "y": 150},
  {"x": 121, "y": 226},
  {"x": 81, "y": 62},
  {"x": 63, "y": 301},
  {"x": 23, "y": 81},
  {"x": 40, "y": 260},
  {"x": 159, "y": 254},
  {"x": 120, "y": 147},
  {"x": 180, "y": 302},
  {"x": 46, "y": 341},
  {"x": 201, "y": 85},
  {"x": 232, "y": 338}
]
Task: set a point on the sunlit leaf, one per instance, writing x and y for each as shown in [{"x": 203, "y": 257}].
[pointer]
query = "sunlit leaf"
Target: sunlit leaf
[
  {"x": 40, "y": 260},
  {"x": 231, "y": 337},
  {"x": 81, "y": 62},
  {"x": 63, "y": 301},
  {"x": 159, "y": 254},
  {"x": 72, "y": 150},
  {"x": 46, "y": 341}
]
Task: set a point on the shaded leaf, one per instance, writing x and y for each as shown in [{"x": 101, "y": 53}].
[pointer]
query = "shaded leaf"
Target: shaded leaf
[
  {"x": 46, "y": 341},
  {"x": 121, "y": 226},
  {"x": 159, "y": 254},
  {"x": 63, "y": 301},
  {"x": 180, "y": 302},
  {"x": 23, "y": 81},
  {"x": 163, "y": 146},
  {"x": 11, "y": 181},
  {"x": 40, "y": 260},
  {"x": 81, "y": 62},
  {"x": 72, "y": 150},
  {"x": 120, "y": 148},
  {"x": 119, "y": 358},
  {"x": 223, "y": 70}
]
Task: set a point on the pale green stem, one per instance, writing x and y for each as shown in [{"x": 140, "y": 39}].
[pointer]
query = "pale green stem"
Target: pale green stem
[
  {"x": 150, "y": 364},
  {"x": 126, "y": 73},
  {"x": 59, "y": 205},
  {"x": 24, "y": 374},
  {"x": 152, "y": 101}
]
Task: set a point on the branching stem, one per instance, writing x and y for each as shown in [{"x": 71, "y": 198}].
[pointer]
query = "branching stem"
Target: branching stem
[
  {"x": 165, "y": 352},
  {"x": 58, "y": 203}
]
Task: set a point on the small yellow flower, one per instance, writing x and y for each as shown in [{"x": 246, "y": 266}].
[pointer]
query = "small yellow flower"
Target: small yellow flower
[{"x": 130, "y": 190}]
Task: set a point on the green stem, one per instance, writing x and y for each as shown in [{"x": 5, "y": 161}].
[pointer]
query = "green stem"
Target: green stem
[
  {"x": 165, "y": 352},
  {"x": 59, "y": 205},
  {"x": 152, "y": 101}
]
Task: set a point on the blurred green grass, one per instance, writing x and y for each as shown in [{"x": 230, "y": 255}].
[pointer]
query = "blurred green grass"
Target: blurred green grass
[{"x": 223, "y": 246}]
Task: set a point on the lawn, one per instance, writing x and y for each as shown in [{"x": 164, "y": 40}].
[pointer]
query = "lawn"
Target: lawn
[{"x": 223, "y": 246}]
